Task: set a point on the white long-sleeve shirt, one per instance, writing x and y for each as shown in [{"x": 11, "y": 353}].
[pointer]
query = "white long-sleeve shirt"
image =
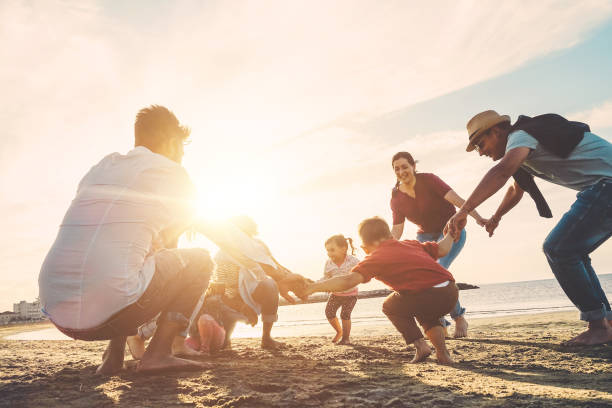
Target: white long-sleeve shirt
[{"x": 101, "y": 259}]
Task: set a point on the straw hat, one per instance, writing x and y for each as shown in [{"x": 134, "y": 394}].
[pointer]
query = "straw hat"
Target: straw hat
[{"x": 480, "y": 124}]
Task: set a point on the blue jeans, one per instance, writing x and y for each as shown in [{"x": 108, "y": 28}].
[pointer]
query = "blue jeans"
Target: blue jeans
[
  {"x": 446, "y": 262},
  {"x": 587, "y": 225}
]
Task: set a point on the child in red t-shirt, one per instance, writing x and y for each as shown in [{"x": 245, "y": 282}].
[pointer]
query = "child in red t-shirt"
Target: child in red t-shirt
[{"x": 423, "y": 290}]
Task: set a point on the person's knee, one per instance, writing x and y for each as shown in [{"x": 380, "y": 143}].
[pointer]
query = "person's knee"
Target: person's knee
[
  {"x": 559, "y": 249},
  {"x": 198, "y": 265},
  {"x": 268, "y": 287},
  {"x": 388, "y": 307}
]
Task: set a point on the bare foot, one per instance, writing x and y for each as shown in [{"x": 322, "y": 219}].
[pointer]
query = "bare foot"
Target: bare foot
[
  {"x": 444, "y": 357},
  {"x": 337, "y": 337},
  {"x": 598, "y": 332},
  {"x": 112, "y": 359},
  {"x": 422, "y": 351},
  {"x": 420, "y": 355},
  {"x": 179, "y": 348},
  {"x": 155, "y": 364},
  {"x": 343, "y": 342},
  {"x": 461, "y": 327},
  {"x": 271, "y": 344},
  {"x": 136, "y": 345}
]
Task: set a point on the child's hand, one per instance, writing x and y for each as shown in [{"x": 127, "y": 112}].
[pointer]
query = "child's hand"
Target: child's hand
[
  {"x": 294, "y": 283},
  {"x": 492, "y": 224}
]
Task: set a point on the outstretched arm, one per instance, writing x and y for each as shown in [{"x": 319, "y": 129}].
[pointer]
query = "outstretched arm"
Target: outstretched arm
[
  {"x": 494, "y": 180},
  {"x": 511, "y": 199},
  {"x": 337, "y": 284},
  {"x": 397, "y": 230},
  {"x": 445, "y": 245},
  {"x": 457, "y": 201}
]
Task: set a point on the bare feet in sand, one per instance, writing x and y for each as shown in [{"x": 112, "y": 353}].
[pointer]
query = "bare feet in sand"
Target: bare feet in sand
[
  {"x": 271, "y": 344},
  {"x": 162, "y": 363},
  {"x": 112, "y": 359},
  {"x": 599, "y": 332},
  {"x": 343, "y": 342},
  {"x": 179, "y": 348},
  {"x": 337, "y": 337},
  {"x": 461, "y": 327},
  {"x": 136, "y": 345},
  {"x": 422, "y": 351}
]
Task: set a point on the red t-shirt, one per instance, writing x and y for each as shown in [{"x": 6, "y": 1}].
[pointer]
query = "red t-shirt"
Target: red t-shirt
[
  {"x": 428, "y": 210},
  {"x": 404, "y": 265}
]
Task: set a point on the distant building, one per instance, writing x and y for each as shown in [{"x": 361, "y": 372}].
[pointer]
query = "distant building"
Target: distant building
[
  {"x": 28, "y": 311},
  {"x": 7, "y": 317}
]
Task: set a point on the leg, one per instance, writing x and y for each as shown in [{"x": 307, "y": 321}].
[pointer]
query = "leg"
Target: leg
[
  {"x": 136, "y": 343},
  {"x": 331, "y": 309},
  {"x": 457, "y": 314},
  {"x": 266, "y": 295},
  {"x": 346, "y": 332},
  {"x": 581, "y": 230},
  {"x": 461, "y": 325},
  {"x": 187, "y": 285},
  {"x": 112, "y": 360},
  {"x": 436, "y": 336},
  {"x": 158, "y": 355},
  {"x": 436, "y": 301},
  {"x": 400, "y": 311},
  {"x": 348, "y": 303}
]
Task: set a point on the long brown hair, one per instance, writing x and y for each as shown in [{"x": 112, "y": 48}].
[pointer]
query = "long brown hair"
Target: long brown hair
[{"x": 403, "y": 155}]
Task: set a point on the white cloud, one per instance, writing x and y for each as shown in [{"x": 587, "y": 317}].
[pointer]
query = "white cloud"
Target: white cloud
[{"x": 599, "y": 117}]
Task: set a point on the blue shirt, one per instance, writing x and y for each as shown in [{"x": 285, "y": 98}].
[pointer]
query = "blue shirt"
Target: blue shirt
[{"x": 588, "y": 163}]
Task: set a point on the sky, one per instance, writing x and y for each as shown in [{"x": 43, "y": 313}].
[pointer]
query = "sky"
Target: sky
[{"x": 296, "y": 109}]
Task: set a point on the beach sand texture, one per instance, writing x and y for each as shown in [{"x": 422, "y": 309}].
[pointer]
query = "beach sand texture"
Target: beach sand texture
[{"x": 511, "y": 361}]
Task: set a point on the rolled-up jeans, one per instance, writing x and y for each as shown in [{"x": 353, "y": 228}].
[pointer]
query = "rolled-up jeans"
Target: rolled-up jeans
[
  {"x": 180, "y": 276},
  {"x": 446, "y": 262},
  {"x": 586, "y": 226}
]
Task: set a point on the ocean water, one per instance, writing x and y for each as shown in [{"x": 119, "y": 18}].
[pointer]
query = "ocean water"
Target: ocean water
[{"x": 500, "y": 299}]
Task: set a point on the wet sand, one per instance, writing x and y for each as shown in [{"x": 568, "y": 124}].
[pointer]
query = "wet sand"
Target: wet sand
[{"x": 511, "y": 361}]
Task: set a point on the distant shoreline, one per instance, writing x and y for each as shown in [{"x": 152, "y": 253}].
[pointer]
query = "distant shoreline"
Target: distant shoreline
[{"x": 366, "y": 294}]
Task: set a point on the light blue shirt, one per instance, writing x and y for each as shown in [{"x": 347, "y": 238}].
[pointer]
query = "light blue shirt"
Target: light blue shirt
[{"x": 588, "y": 163}]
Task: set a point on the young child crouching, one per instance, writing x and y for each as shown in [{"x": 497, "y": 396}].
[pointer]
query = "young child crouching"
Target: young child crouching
[{"x": 423, "y": 290}]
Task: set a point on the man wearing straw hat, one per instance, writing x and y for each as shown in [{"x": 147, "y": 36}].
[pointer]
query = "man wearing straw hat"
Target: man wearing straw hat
[{"x": 565, "y": 153}]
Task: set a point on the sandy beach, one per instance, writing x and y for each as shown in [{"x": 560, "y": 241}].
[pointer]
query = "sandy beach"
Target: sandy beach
[{"x": 507, "y": 361}]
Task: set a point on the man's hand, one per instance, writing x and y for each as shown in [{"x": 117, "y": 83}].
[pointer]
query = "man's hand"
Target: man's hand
[
  {"x": 294, "y": 283},
  {"x": 492, "y": 224},
  {"x": 456, "y": 224}
]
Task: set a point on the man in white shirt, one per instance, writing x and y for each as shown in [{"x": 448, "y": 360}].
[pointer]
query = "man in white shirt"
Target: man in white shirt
[{"x": 104, "y": 275}]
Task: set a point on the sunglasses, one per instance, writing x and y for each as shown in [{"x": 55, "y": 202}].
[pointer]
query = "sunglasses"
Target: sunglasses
[{"x": 480, "y": 145}]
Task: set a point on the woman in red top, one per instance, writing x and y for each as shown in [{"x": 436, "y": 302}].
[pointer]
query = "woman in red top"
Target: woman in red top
[{"x": 427, "y": 201}]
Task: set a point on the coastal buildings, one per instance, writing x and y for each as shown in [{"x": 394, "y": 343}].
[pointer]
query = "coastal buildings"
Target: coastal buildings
[
  {"x": 28, "y": 311},
  {"x": 7, "y": 317}
]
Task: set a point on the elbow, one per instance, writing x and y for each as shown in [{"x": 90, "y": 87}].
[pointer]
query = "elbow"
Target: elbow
[{"x": 504, "y": 171}]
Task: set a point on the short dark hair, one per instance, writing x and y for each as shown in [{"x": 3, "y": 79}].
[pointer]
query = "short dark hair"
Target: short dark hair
[
  {"x": 374, "y": 229},
  {"x": 155, "y": 125}
]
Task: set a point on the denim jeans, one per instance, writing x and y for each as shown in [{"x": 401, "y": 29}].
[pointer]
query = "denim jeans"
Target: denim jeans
[
  {"x": 446, "y": 262},
  {"x": 181, "y": 275},
  {"x": 586, "y": 226}
]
